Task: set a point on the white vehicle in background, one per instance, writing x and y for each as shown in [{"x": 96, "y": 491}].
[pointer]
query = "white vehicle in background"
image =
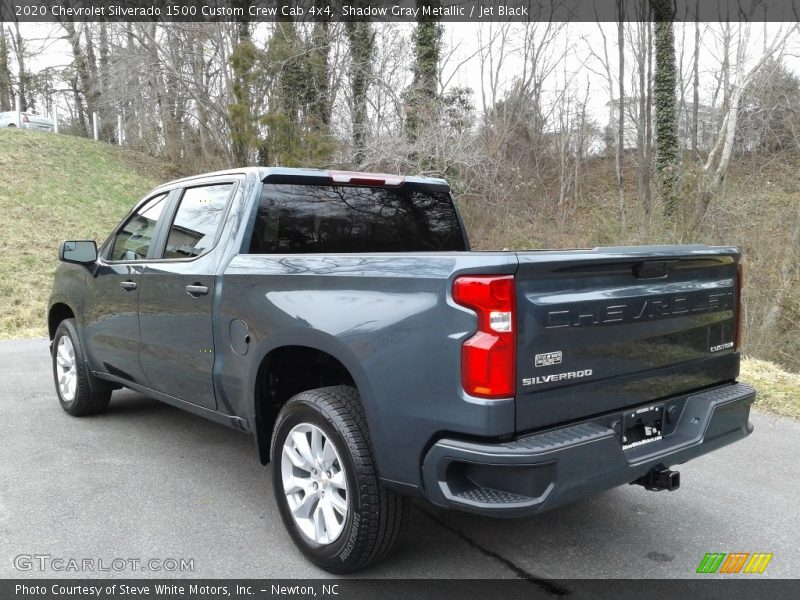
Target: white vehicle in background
[{"x": 25, "y": 120}]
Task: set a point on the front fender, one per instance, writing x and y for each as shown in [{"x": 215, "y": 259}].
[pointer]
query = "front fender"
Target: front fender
[{"x": 69, "y": 287}]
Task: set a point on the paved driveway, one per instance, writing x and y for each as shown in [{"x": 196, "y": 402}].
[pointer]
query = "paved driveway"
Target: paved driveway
[{"x": 145, "y": 480}]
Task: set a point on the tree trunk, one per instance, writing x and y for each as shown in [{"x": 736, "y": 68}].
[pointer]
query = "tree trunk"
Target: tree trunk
[
  {"x": 82, "y": 71},
  {"x": 163, "y": 97},
  {"x": 241, "y": 110},
  {"x": 6, "y": 90},
  {"x": 696, "y": 84},
  {"x": 621, "y": 113},
  {"x": 132, "y": 110},
  {"x": 108, "y": 113},
  {"x": 92, "y": 89},
  {"x": 643, "y": 183},
  {"x": 648, "y": 132},
  {"x": 79, "y": 109},
  {"x": 422, "y": 98},
  {"x": 581, "y": 149},
  {"x": 320, "y": 74},
  {"x": 19, "y": 50},
  {"x": 361, "y": 39},
  {"x": 201, "y": 78},
  {"x": 667, "y": 147}
]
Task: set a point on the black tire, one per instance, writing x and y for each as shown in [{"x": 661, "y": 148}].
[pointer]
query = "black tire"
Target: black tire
[
  {"x": 375, "y": 515},
  {"x": 91, "y": 395}
]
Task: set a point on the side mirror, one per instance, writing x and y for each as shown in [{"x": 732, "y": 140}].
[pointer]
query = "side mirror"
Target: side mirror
[{"x": 82, "y": 252}]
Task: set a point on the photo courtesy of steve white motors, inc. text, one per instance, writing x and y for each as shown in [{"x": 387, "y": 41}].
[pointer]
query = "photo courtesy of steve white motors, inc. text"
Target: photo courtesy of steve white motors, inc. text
[{"x": 74, "y": 590}]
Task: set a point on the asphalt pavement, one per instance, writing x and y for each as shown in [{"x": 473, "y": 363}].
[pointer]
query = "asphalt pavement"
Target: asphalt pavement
[{"x": 147, "y": 481}]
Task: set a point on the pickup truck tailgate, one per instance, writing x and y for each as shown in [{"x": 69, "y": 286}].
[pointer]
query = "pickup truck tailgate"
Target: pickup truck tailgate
[{"x": 604, "y": 329}]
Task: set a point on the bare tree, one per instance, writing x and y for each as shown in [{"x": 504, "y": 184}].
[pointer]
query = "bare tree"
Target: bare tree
[
  {"x": 493, "y": 51},
  {"x": 621, "y": 112},
  {"x": 664, "y": 99},
  {"x": 361, "y": 38},
  {"x": 716, "y": 166},
  {"x": 18, "y": 44},
  {"x": 6, "y": 90},
  {"x": 641, "y": 47},
  {"x": 696, "y": 83}
]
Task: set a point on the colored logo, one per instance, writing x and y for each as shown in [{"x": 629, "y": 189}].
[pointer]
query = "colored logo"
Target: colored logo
[{"x": 735, "y": 562}]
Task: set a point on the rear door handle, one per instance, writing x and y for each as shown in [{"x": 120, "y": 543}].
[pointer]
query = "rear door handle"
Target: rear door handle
[
  {"x": 127, "y": 285},
  {"x": 196, "y": 290}
]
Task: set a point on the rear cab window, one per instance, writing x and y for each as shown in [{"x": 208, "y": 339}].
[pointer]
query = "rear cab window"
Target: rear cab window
[{"x": 294, "y": 219}]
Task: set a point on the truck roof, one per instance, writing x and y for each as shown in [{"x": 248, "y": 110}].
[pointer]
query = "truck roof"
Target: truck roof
[{"x": 364, "y": 178}]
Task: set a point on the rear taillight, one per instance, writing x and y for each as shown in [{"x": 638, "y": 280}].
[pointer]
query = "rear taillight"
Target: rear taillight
[
  {"x": 25, "y": 118},
  {"x": 739, "y": 305},
  {"x": 488, "y": 357}
]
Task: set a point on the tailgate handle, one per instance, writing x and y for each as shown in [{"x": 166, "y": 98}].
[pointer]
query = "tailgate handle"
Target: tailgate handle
[{"x": 653, "y": 269}]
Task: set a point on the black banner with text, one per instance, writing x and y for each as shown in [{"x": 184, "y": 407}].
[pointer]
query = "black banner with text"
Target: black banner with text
[
  {"x": 391, "y": 10},
  {"x": 379, "y": 589}
]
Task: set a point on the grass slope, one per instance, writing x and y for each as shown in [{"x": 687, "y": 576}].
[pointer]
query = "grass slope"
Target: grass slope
[
  {"x": 777, "y": 390},
  {"x": 56, "y": 187}
]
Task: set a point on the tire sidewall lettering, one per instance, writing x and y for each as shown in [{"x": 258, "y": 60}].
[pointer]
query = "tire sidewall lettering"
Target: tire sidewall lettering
[{"x": 311, "y": 413}]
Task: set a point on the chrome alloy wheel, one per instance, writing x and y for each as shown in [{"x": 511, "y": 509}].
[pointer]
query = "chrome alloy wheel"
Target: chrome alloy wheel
[
  {"x": 66, "y": 369},
  {"x": 314, "y": 483}
]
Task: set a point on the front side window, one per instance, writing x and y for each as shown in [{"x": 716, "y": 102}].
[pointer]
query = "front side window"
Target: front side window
[
  {"x": 133, "y": 241},
  {"x": 321, "y": 218},
  {"x": 196, "y": 222}
]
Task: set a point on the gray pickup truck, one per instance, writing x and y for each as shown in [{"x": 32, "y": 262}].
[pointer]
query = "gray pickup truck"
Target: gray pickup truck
[{"x": 342, "y": 320}]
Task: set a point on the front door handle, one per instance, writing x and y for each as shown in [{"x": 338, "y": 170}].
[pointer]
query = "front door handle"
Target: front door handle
[
  {"x": 127, "y": 285},
  {"x": 196, "y": 290}
]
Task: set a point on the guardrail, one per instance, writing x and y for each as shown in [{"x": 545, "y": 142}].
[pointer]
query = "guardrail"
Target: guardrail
[{"x": 95, "y": 123}]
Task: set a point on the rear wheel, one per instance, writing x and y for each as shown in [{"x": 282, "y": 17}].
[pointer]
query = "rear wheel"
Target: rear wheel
[
  {"x": 79, "y": 393},
  {"x": 326, "y": 483}
]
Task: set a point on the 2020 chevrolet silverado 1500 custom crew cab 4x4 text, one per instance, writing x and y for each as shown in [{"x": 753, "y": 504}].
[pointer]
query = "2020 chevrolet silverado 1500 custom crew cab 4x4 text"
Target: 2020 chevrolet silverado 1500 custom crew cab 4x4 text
[{"x": 342, "y": 319}]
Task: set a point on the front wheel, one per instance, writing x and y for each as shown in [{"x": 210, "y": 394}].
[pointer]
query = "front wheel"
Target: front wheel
[
  {"x": 326, "y": 484},
  {"x": 79, "y": 393}
]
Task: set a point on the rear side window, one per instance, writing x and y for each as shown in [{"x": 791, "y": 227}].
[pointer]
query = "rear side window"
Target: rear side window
[
  {"x": 135, "y": 238},
  {"x": 197, "y": 219},
  {"x": 319, "y": 219}
]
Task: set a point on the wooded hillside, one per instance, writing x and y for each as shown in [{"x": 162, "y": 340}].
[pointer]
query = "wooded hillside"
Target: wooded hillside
[{"x": 699, "y": 140}]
